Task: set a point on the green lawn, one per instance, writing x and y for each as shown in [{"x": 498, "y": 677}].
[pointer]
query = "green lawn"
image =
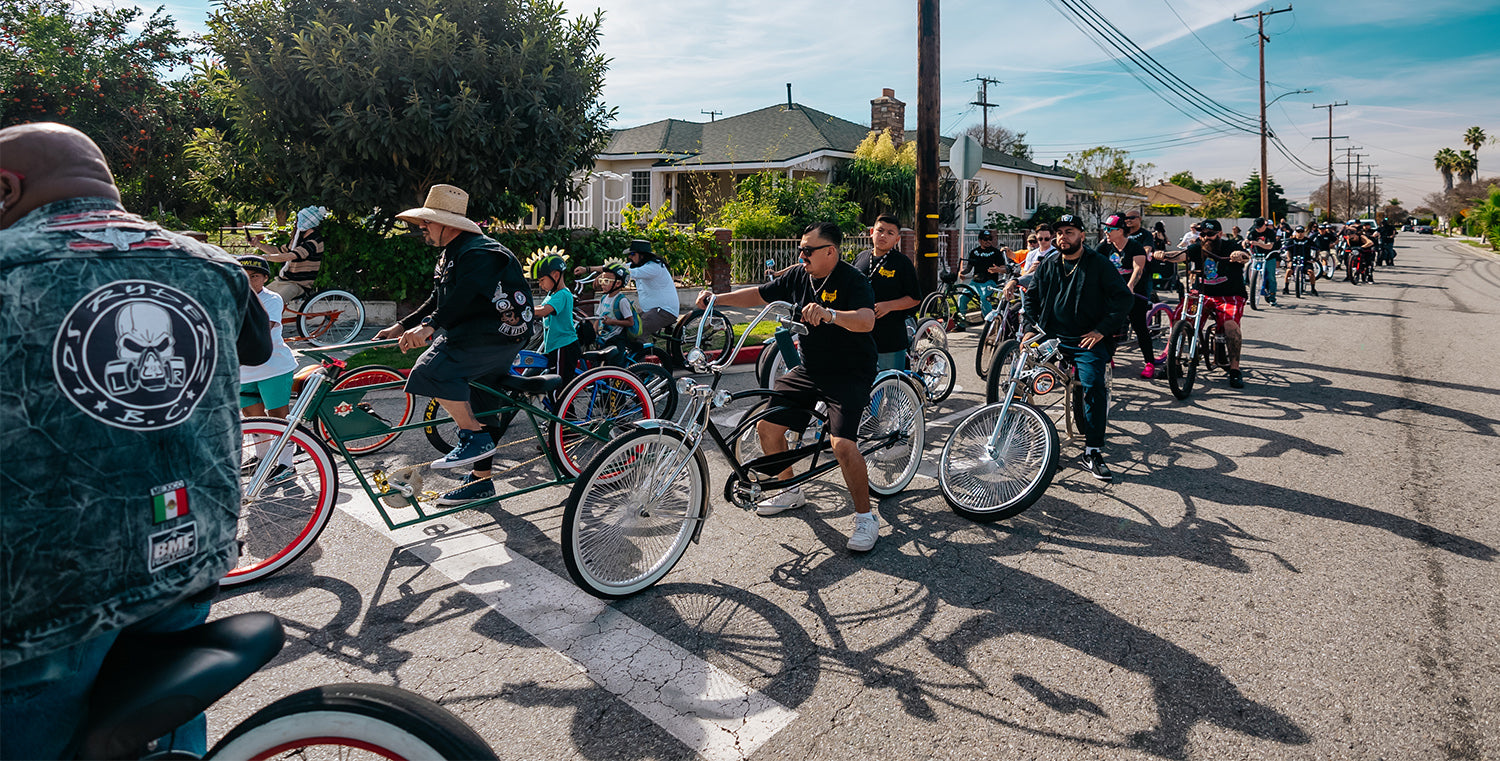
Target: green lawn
[{"x": 389, "y": 356}]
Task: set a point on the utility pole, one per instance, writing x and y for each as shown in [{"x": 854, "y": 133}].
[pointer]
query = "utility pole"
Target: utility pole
[
  {"x": 984, "y": 102},
  {"x": 1374, "y": 199},
  {"x": 1348, "y": 181},
  {"x": 928, "y": 114},
  {"x": 1358, "y": 157},
  {"x": 1330, "y": 139},
  {"x": 1261, "y": 40},
  {"x": 711, "y": 114}
]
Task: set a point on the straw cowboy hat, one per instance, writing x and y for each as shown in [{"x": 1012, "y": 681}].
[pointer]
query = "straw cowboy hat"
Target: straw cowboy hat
[{"x": 445, "y": 205}]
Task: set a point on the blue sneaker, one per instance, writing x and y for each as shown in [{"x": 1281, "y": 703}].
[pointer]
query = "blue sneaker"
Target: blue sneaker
[
  {"x": 473, "y": 446},
  {"x": 472, "y": 490},
  {"x": 281, "y": 473}
]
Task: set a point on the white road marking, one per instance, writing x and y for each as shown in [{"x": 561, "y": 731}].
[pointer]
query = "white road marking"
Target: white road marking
[{"x": 710, "y": 711}]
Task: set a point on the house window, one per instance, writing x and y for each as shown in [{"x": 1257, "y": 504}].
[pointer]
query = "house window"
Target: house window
[
  {"x": 972, "y": 214},
  {"x": 1031, "y": 198},
  {"x": 640, "y": 188}
]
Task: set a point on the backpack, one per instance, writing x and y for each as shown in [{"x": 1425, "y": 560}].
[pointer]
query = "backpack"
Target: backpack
[{"x": 633, "y": 332}]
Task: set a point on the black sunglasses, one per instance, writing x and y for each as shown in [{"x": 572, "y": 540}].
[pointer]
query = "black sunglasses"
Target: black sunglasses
[{"x": 805, "y": 251}]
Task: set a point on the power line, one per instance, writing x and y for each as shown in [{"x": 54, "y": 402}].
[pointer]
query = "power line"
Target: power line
[
  {"x": 1201, "y": 42},
  {"x": 1125, "y": 53},
  {"x": 1091, "y": 16}
]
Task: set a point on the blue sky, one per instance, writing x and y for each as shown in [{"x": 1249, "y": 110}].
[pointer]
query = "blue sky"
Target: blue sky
[{"x": 1416, "y": 74}]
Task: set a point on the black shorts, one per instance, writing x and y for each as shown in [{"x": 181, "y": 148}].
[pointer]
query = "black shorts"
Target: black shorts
[
  {"x": 846, "y": 399},
  {"x": 444, "y": 371}
]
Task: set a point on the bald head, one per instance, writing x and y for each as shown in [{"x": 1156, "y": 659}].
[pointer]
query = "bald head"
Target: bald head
[{"x": 43, "y": 163}]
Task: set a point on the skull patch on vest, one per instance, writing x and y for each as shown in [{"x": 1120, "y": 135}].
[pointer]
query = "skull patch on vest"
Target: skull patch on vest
[{"x": 136, "y": 354}]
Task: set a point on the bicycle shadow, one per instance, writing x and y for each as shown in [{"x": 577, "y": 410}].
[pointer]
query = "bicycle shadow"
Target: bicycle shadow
[{"x": 962, "y": 574}]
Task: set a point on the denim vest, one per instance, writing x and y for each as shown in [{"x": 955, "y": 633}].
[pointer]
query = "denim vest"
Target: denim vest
[{"x": 119, "y": 422}]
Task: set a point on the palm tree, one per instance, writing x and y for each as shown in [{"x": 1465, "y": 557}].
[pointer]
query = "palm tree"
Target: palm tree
[
  {"x": 1474, "y": 138},
  {"x": 1444, "y": 162},
  {"x": 1465, "y": 165}
]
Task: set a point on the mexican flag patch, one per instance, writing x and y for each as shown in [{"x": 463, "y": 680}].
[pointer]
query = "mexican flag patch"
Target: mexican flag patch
[{"x": 169, "y": 501}]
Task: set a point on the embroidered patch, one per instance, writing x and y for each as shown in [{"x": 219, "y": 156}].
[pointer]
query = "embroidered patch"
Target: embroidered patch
[
  {"x": 169, "y": 501},
  {"x": 828, "y": 297},
  {"x": 170, "y": 547},
  {"x": 135, "y": 354}
]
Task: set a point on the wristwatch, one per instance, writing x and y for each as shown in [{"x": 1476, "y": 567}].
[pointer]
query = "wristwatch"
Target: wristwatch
[{"x": 426, "y": 322}]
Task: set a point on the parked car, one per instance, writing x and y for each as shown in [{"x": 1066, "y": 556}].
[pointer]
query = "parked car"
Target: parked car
[{"x": 1424, "y": 229}]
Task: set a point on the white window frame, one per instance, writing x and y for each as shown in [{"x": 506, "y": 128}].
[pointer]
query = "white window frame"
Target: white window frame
[
  {"x": 1029, "y": 194},
  {"x": 637, "y": 178}
]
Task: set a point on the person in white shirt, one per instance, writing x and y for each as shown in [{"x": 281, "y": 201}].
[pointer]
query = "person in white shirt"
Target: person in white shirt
[
  {"x": 655, "y": 291},
  {"x": 1191, "y": 236},
  {"x": 267, "y": 389}
]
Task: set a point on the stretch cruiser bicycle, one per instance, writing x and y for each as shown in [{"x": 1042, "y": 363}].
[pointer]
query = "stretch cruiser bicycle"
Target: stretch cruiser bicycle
[
  {"x": 282, "y": 515},
  {"x": 633, "y": 512}
]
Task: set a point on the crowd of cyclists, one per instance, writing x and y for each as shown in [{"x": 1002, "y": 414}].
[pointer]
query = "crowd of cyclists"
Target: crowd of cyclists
[{"x": 156, "y": 336}]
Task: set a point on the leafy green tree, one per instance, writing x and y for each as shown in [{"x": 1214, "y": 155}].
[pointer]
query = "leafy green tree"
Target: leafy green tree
[
  {"x": 1185, "y": 179},
  {"x": 1446, "y": 162},
  {"x": 363, "y": 106},
  {"x": 1249, "y": 198},
  {"x": 1465, "y": 166},
  {"x": 769, "y": 202},
  {"x": 1221, "y": 199},
  {"x": 881, "y": 178},
  {"x": 1474, "y": 138},
  {"x": 103, "y": 71}
]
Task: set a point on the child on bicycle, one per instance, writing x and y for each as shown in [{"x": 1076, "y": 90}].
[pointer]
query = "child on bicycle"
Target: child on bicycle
[
  {"x": 559, "y": 337},
  {"x": 619, "y": 321},
  {"x": 267, "y": 389}
]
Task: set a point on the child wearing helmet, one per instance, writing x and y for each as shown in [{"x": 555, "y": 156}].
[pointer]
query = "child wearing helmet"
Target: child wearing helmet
[
  {"x": 559, "y": 337},
  {"x": 619, "y": 321}
]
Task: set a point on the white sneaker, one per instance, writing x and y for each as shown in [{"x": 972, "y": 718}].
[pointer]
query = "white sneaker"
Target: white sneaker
[
  {"x": 866, "y": 531},
  {"x": 787, "y": 500}
]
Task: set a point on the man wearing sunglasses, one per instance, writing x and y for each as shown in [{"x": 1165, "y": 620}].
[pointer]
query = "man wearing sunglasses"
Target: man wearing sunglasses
[
  {"x": 1221, "y": 265},
  {"x": 838, "y": 365}
]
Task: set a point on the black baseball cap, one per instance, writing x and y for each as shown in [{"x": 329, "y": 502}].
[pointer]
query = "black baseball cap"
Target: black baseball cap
[
  {"x": 1115, "y": 221},
  {"x": 1211, "y": 225},
  {"x": 253, "y": 263},
  {"x": 1067, "y": 220},
  {"x": 986, "y": 235}
]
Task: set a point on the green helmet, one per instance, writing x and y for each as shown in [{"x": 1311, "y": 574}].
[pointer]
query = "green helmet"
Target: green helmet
[
  {"x": 546, "y": 261},
  {"x": 619, "y": 269}
]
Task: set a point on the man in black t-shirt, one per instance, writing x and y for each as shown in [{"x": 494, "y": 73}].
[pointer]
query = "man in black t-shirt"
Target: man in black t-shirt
[
  {"x": 893, "y": 280},
  {"x": 987, "y": 263},
  {"x": 1262, "y": 240},
  {"x": 1387, "y": 232},
  {"x": 838, "y": 365},
  {"x": 1221, "y": 280}
]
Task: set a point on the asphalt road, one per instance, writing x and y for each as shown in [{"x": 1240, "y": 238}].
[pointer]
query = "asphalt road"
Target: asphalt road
[{"x": 1302, "y": 569}]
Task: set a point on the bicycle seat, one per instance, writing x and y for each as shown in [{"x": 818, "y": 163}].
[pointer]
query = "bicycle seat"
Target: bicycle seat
[
  {"x": 609, "y": 355},
  {"x": 949, "y": 277},
  {"x": 530, "y": 384},
  {"x": 152, "y": 683}
]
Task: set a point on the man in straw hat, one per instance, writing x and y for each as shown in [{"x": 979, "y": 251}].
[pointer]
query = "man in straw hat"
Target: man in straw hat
[{"x": 482, "y": 303}]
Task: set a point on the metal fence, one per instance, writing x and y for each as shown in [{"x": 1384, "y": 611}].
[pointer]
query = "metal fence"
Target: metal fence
[{"x": 750, "y": 257}]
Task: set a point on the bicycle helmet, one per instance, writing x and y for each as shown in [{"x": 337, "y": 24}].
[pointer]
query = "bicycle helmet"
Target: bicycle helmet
[
  {"x": 546, "y": 261},
  {"x": 619, "y": 269}
]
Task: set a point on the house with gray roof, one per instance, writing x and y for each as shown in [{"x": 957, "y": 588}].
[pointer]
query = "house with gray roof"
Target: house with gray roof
[{"x": 696, "y": 165}]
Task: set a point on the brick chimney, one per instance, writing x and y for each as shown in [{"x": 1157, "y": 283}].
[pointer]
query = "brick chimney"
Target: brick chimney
[{"x": 887, "y": 113}]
